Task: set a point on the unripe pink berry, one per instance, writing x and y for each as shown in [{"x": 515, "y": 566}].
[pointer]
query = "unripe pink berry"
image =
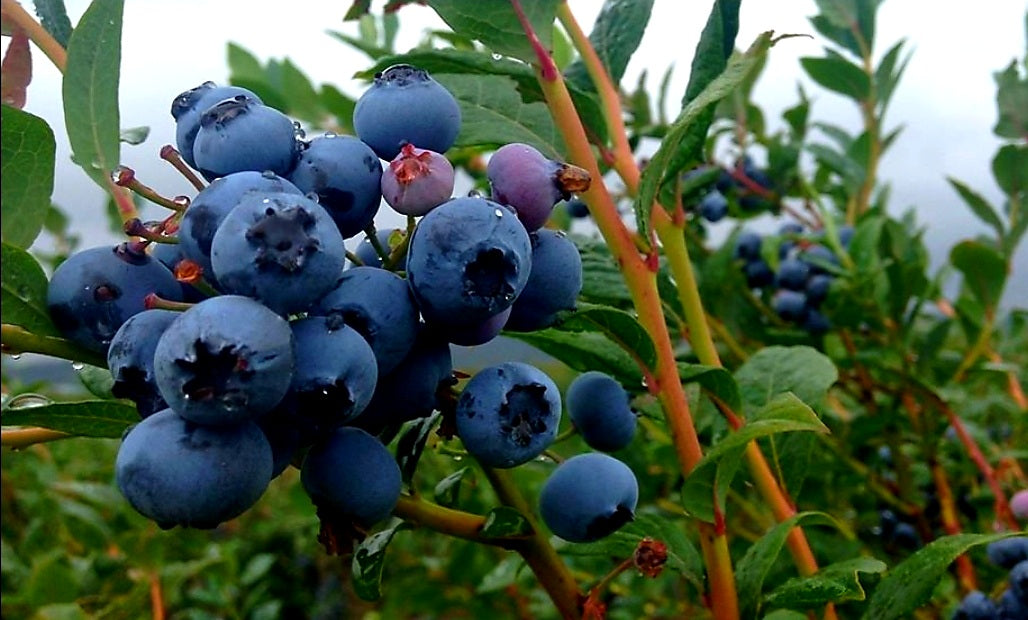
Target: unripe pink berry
[
  {"x": 417, "y": 181},
  {"x": 1019, "y": 504}
]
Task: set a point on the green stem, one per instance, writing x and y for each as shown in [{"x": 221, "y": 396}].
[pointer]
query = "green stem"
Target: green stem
[
  {"x": 15, "y": 340},
  {"x": 13, "y": 11}
]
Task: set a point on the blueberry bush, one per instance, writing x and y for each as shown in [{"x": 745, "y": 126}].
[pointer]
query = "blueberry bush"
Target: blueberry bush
[{"x": 278, "y": 413}]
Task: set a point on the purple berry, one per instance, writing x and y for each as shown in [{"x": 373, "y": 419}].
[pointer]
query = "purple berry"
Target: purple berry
[
  {"x": 524, "y": 179},
  {"x": 417, "y": 181}
]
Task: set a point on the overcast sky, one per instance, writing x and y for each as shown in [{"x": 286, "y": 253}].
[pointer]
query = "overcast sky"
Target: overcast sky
[{"x": 946, "y": 100}]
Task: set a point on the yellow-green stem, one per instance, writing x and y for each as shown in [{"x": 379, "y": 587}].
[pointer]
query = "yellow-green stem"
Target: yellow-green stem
[
  {"x": 14, "y": 12},
  {"x": 17, "y": 340}
]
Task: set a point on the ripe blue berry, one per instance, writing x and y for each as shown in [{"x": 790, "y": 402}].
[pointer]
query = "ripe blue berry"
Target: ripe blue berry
[
  {"x": 468, "y": 260},
  {"x": 352, "y": 475},
  {"x": 577, "y": 208},
  {"x": 94, "y": 291},
  {"x": 588, "y": 497},
  {"x": 713, "y": 206},
  {"x": 793, "y": 274},
  {"x": 281, "y": 249},
  {"x": 1008, "y": 552},
  {"x": 346, "y": 175},
  {"x": 225, "y": 360},
  {"x": 1011, "y": 607},
  {"x": 176, "y": 472},
  {"x": 553, "y": 283},
  {"x": 417, "y": 181},
  {"x": 508, "y": 414},
  {"x": 817, "y": 288},
  {"x": 378, "y": 305},
  {"x": 188, "y": 108},
  {"x": 758, "y": 273},
  {"x": 213, "y": 203},
  {"x": 466, "y": 334},
  {"x": 527, "y": 181},
  {"x": 790, "y": 305},
  {"x": 976, "y": 606},
  {"x": 241, "y": 134},
  {"x": 599, "y": 408},
  {"x": 1019, "y": 580},
  {"x": 406, "y": 106},
  {"x": 747, "y": 246},
  {"x": 335, "y": 374},
  {"x": 820, "y": 258},
  {"x": 130, "y": 359}
]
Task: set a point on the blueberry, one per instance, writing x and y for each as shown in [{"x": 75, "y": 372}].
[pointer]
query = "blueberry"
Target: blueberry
[
  {"x": 417, "y": 181},
  {"x": 508, "y": 414},
  {"x": 130, "y": 359},
  {"x": 465, "y": 334},
  {"x": 1008, "y": 552},
  {"x": 281, "y": 249},
  {"x": 817, "y": 288},
  {"x": 241, "y": 134},
  {"x": 820, "y": 258},
  {"x": 713, "y": 206},
  {"x": 176, "y": 472},
  {"x": 846, "y": 233},
  {"x": 378, "y": 305},
  {"x": 188, "y": 108},
  {"x": 406, "y": 106},
  {"x": 790, "y": 228},
  {"x": 790, "y": 305},
  {"x": 335, "y": 374},
  {"x": 388, "y": 239},
  {"x": 577, "y": 208},
  {"x": 468, "y": 260},
  {"x": 1011, "y": 607},
  {"x": 352, "y": 475},
  {"x": 1019, "y": 581},
  {"x": 526, "y": 180},
  {"x": 588, "y": 497},
  {"x": 94, "y": 291},
  {"x": 225, "y": 360},
  {"x": 346, "y": 175},
  {"x": 906, "y": 537},
  {"x": 285, "y": 436},
  {"x": 213, "y": 203},
  {"x": 553, "y": 284},
  {"x": 976, "y": 606},
  {"x": 747, "y": 246},
  {"x": 815, "y": 322},
  {"x": 758, "y": 273},
  {"x": 887, "y": 522},
  {"x": 411, "y": 390},
  {"x": 793, "y": 274},
  {"x": 599, "y": 409}
]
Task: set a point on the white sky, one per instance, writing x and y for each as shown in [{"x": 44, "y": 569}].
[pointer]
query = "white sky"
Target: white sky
[{"x": 946, "y": 99}]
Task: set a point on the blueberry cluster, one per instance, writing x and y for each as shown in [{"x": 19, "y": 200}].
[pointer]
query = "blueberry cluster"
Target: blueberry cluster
[
  {"x": 803, "y": 278},
  {"x": 1010, "y": 554},
  {"x": 746, "y": 184},
  {"x": 250, "y": 339}
]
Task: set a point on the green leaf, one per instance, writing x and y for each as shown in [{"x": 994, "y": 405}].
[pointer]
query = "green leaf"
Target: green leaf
[
  {"x": 302, "y": 100},
  {"x": 682, "y": 555},
  {"x": 447, "y": 492},
  {"x": 90, "y": 89},
  {"x": 54, "y": 18},
  {"x": 615, "y": 36},
  {"x": 584, "y": 351},
  {"x": 714, "y": 473},
  {"x": 506, "y": 522},
  {"x": 714, "y": 379},
  {"x": 135, "y": 135},
  {"x": 658, "y": 171},
  {"x": 754, "y": 567},
  {"x": 493, "y": 114},
  {"x": 1012, "y": 103},
  {"x": 243, "y": 65},
  {"x": 504, "y": 574},
  {"x": 412, "y": 444},
  {"x": 369, "y": 560},
  {"x": 888, "y": 73},
  {"x": 776, "y": 370},
  {"x": 910, "y": 584},
  {"x": 834, "y": 583},
  {"x": 979, "y": 206},
  {"x": 256, "y": 568},
  {"x": 88, "y": 418},
  {"x": 1010, "y": 169},
  {"x": 618, "y": 326},
  {"x": 98, "y": 381},
  {"x": 838, "y": 75},
  {"x": 984, "y": 269},
  {"x": 496, "y": 25},
  {"x": 23, "y": 292},
  {"x": 28, "y": 148}
]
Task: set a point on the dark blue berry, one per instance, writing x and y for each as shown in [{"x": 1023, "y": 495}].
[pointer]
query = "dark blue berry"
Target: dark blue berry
[
  {"x": 820, "y": 258},
  {"x": 406, "y": 106},
  {"x": 976, "y": 606},
  {"x": 817, "y": 288},
  {"x": 188, "y": 108},
  {"x": 793, "y": 274},
  {"x": 176, "y": 472},
  {"x": 747, "y": 246},
  {"x": 758, "y": 273},
  {"x": 577, "y": 208},
  {"x": 599, "y": 408},
  {"x": 790, "y": 305},
  {"x": 508, "y": 414},
  {"x": 241, "y": 134},
  {"x": 588, "y": 497},
  {"x": 130, "y": 359},
  {"x": 553, "y": 284},
  {"x": 1008, "y": 552},
  {"x": 713, "y": 206},
  {"x": 346, "y": 176}
]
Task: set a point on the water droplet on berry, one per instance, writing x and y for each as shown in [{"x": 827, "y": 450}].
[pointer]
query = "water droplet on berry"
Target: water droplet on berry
[
  {"x": 268, "y": 174},
  {"x": 266, "y": 201},
  {"x": 330, "y": 134},
  {"x": 16, "y": 356},
  {"x": 498, "y": 213}
]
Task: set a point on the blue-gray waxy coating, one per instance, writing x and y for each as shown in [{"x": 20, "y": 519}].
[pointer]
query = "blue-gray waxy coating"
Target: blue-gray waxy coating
[
  {"x": 241, "y": 134},
  {"x": 588, "y": 497},
  {"x": 130, "y": 359},
  {"x": 508, "y": 414},
  {"x": 176, "y": 472},
  {"x": 599, "y": 408},
  {"x": 96, "y": 290},
  {"x": 225, "y": 360},
  {"x": 468, "y": 260},
  {"x": 281, "y": 249},
  {"x": 352, "y": 474},
  {"x": 553, "y": 284},
  {"x": 188, "y": 108}
]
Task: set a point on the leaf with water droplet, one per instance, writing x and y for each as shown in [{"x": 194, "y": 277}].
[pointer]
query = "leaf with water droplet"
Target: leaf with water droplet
[
  {"x": 91, "y": 418},
  {"x": 369, "y": 560},
  {"x": 23, "y": 292}
]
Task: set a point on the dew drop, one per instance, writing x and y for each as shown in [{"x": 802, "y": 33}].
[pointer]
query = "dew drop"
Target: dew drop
[
  {"x": 25, "y": 401},
  {"x": 498, "y": 213},
  {"x": 78, "y": 365},
  {"x": 266, "y": 201},
  {"x": 329, "y": 134},
  {"x": 497, "y": 56},
  {"x": 458, "y": 458},
  {"x": 16, "y": 356},
  {"x": 182, "y": 201}
]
